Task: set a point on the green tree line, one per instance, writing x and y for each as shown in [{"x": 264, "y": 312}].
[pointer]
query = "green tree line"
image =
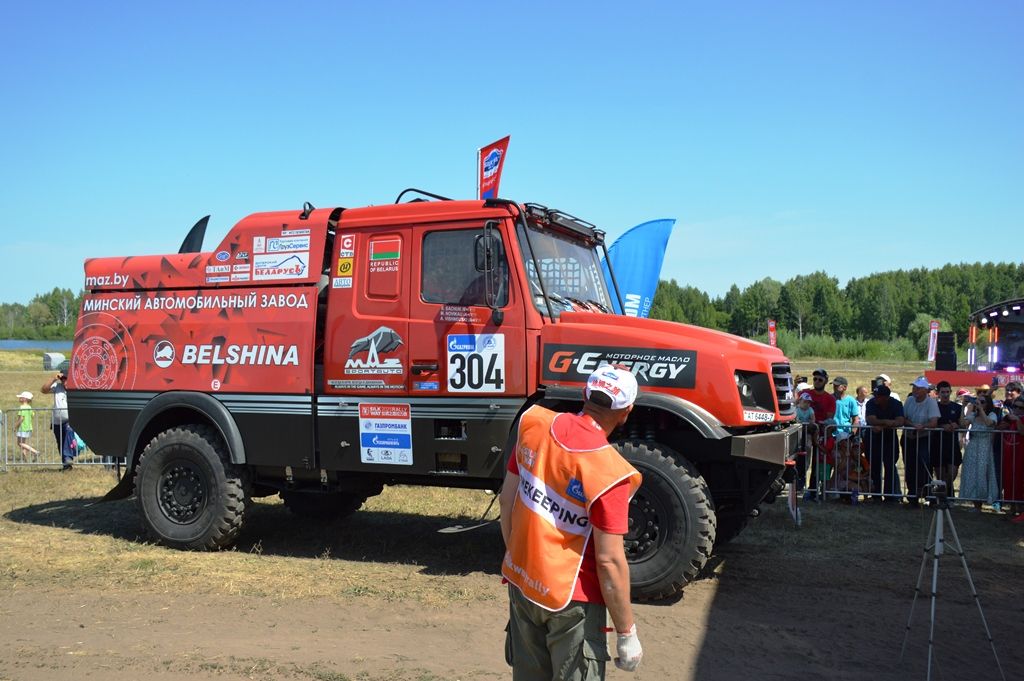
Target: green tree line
[
  {"x": 48, "y": 316},
  {"x": 881, "y": 315}
]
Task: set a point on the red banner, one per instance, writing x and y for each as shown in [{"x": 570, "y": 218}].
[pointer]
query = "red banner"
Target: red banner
[
  {"x": 489, "y": 162},
  {"x": 772, "y": 340}
]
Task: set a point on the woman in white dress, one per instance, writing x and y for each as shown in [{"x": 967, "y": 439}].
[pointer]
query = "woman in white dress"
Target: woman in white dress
[{"x": 978, "y": 472}]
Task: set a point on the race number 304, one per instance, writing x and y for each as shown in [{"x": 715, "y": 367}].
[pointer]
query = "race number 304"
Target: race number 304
[{"x": 476, "y": 363}]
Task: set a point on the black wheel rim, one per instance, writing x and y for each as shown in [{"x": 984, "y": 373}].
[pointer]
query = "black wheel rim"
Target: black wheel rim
[
  {"x": 182, "y": 492},
  {"x": 649, "y": 524}
]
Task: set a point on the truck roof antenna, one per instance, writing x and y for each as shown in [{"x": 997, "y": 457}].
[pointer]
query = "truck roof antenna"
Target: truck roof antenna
[{"x": 193, "y": 242}]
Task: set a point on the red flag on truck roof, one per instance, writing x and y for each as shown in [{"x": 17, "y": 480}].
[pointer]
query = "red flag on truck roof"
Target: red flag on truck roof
[{"x": 489, "y": 162}]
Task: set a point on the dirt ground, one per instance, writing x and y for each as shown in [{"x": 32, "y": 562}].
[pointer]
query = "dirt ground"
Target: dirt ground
[{"x": 773, "y": 604}]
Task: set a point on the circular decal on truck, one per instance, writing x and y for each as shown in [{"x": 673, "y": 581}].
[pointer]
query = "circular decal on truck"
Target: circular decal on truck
[{"x": 104, "y": 354}]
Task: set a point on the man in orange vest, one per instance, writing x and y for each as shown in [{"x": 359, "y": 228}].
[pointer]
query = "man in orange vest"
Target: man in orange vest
[{"x": 564, "y": 512}]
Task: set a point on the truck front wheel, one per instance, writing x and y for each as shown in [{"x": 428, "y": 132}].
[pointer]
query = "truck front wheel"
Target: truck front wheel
[
  {"x": 671, "y": 521},
  {"x": 189, "y": 493}
]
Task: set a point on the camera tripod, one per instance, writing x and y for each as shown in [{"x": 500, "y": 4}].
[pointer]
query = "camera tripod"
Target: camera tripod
[{"x": 934, "y": 546}]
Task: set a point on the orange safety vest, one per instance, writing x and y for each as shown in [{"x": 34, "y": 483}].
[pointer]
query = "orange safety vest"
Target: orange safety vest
[{"x": 551, "y": 511}]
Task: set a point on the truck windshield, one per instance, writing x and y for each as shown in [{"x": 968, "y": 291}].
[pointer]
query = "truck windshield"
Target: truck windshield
[{"x": 569, "y": 269}]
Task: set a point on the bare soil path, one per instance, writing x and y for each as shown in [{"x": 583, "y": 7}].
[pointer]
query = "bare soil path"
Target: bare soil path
[{"x": 768, "y": 609}]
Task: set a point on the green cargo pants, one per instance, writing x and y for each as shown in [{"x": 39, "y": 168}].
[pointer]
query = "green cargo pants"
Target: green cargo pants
[{"x": 568, "y": 645}]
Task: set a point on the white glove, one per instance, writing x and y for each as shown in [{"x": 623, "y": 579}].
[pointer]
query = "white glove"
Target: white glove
[{"x": 629, "y": 651}]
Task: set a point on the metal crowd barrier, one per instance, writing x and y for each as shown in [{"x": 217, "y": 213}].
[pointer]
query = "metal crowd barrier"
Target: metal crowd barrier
[
  {"x": 896, "y": 463},
  {"x": 47, "y": 452}
]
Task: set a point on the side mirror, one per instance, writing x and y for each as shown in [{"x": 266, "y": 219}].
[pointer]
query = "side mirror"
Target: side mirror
[
  {"x": 488, "y": 262},
  {"x": 484, "y": 255}
]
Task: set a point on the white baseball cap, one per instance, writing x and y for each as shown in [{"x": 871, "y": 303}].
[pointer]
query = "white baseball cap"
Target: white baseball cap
[
  {"x": 615, "y": 382},
  {"x": 26, "y": 395},
  {"x": 921, "y": 382},
  {"x": 884, "y": 377}
]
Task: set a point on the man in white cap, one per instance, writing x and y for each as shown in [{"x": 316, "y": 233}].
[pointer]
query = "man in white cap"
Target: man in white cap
[
  {"x": 883, "y": 379},
  {"x": 922, "y": 413},
  {"x": 564, "y": 512}
]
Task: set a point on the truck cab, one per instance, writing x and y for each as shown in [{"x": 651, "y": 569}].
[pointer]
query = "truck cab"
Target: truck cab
[{"x": 321, "y": 354}]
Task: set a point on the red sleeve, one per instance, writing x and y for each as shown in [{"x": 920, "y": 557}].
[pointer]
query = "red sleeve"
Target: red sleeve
[
  {"x": 513, "y": 465},
  {"x": 610, "y": 511}
]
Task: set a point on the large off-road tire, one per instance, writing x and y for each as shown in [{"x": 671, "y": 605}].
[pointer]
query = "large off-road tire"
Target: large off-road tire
[
  {"x": 323, "y": 506},
  {"x": 189, "y": 493},
  {"x": 671, "y": 521}
]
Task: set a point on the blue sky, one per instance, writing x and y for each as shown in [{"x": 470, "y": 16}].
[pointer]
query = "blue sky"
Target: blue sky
[{"x": 785, "y": 137}]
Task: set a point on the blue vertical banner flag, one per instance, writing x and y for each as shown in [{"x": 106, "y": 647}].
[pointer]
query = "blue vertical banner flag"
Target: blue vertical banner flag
[
  {"x": 636, "y": 257},
  {"x": 489, "y": 162}
]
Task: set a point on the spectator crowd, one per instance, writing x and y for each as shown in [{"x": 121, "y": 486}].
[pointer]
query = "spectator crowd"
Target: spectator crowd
[{"x": 851, "y": 444}]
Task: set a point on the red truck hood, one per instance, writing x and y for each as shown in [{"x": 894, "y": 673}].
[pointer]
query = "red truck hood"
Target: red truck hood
[{"x": 691, "y": 362}]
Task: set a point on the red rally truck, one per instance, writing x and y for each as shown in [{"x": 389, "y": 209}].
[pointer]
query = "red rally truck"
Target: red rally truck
[{"x": 324, "y": 353}]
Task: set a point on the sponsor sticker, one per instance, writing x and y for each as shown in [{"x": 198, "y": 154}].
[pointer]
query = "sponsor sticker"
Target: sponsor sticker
[
  {"x": 241, "y": 268},
  {"x": 294, "y": 232},
  {"x": 287, "y": 244},
  {"x": 218, "y": 268},
  {"x": 347, "y": 246},
  {"x": 426, "y": 385},
  {"x": 242, "y": 255},
  {"x": 385, "y": 434},
  {"x": 345, "y": 266},
  {"x": 280, "y": 266},
  {"x": 341, "y": 282},
  {"x": 240, "y": 276},
  {"x": 217, "y": 280},
  {"x": 259, "y": 244},
  {"x": 651, "y": 366},
  {"x": 758, "y": 416},
  {"x": 223, "y": 256}
]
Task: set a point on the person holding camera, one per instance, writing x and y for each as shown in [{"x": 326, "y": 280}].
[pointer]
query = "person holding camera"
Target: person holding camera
[
  {"x": 55, "y": 387},
  {"x": 1012, "y": 431},
  {"x": 978, "y": 472}
]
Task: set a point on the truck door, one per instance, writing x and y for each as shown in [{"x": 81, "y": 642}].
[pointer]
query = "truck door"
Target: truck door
[
  {"x": 366, "y": 338},
  {"x": 467, "y": 363}
]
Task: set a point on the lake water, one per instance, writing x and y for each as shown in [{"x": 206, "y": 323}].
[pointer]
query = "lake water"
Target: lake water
[{"x": 47, "y": 345}]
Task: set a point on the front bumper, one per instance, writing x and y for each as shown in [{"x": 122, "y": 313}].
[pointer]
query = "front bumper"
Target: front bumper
[{"x": 774, "y": 447}]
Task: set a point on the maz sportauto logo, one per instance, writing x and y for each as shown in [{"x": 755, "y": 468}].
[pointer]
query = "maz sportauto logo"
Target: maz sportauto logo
[
  {"x": 163, "y": 354},
  {"x": 381, "y": 341}
]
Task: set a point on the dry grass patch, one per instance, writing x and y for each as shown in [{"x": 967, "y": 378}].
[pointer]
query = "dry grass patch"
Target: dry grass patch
[{"x": 53, "y": 532}]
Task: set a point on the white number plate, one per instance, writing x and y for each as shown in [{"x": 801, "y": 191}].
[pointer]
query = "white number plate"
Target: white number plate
[{"x": 476, "y": 363}]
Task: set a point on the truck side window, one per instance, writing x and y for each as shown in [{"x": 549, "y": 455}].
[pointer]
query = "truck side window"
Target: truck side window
[{"x": 449, "y": 269}]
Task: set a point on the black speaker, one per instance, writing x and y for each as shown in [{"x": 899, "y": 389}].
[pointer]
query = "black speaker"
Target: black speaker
[
  {"x": 945, "y": 360},
  {"x": 946, "y": 341}
]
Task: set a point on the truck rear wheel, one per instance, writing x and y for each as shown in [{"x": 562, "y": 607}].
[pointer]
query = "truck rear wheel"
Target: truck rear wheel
[
  {"x": 189, "y": 493},
  {"x": 325, "y": 506},
  {"x": 671, "y": 521}
]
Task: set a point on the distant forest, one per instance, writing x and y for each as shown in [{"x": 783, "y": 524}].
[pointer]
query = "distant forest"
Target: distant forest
[
  {"x": 884, "y": 315},
  {"x": 880, "y": 316},
  {"x": 48, "y": 316}
]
